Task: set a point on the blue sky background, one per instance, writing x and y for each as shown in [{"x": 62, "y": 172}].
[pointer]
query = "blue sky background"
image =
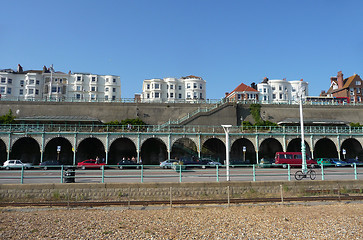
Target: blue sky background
[{"x": 224, "y": 42}]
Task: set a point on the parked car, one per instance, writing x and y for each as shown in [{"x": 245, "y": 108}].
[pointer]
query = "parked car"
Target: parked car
[
  {"x": 209, "y": 163},
  {"x": 240, "y": 163},
  {"x": 90, "y": 163},
  {"x": 11, "y": 164},
  {"x": 294, "y": 159},
  {"x": 50, "y": 164},
  {"x": 351, "y": 161},
  {"x": 128, "y": 164},
  {"x": 266, "y": 162},
  {"x": 338, "y": 163},
  {"x": 168, "y": 163},
  {"x": 324, "y": 161}
]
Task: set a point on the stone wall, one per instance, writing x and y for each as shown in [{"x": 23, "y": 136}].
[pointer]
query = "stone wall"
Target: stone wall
[{"x": 179, "y": 191}]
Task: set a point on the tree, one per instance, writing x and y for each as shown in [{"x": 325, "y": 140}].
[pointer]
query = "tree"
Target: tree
[{"x": 8, "y": 118}]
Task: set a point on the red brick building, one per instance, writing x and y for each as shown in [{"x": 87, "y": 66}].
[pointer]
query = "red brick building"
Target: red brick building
[
  {"x": 242, "y": 93},
  {"x": 351, "y": 88}
]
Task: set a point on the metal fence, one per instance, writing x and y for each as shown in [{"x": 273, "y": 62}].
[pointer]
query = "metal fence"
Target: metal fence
[
  {"x": 94, "y": 128},
  {"x": 180, "y": 173}
]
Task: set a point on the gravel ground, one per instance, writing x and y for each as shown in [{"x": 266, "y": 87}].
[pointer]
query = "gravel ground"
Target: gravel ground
[{"x": 333, "y": 221}]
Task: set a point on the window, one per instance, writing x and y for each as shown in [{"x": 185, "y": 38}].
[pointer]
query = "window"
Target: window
[
  {"x": 171, "y": 86},
  {"x": 195, "y": 85},
  {"x": 167, "y": 86},
  {"x": 54, "y": 89},
  {"x": 60, "y": 80},
  {"x": 9, "y": 90},
  {"x": 167, "y": 95},
  {"x": 264, "y": 90},
  {"x": 264, "y": 98},
  {"x": 351, "y": 91},
  {"x": 188, "y": 85},
  {"x": 201, "y": 95},
  {"x": 106, "y": 97},
  {"x": 113, "y": 98},
  {"x": 358, "y": 82},
  {"x": 59, "y": 89},
  {"x": 114, "y": 80},
  {"x": 37, "y": 82},
  {"x": 156, "y": 95},
  {"x": 171, "y": 95},
  {"x": 78, "y": 96},
  {"x": 239, "y": 96},
  {"x": 156, "y": 85},
  {"x": 180, "y": 87},
  {"x": 280, "y": 88},
  {"x": 293, "y": 90},
  {"x": 93, "y": 97},
  {"x": 201, "y": 86},
  {"x": 21, "y": 91},
  {"x": 358, "y": 90},
  {"x": 273, "y": 96},
  {"x": 113, "y": 89},
  {"x": 188, "y": 95},
  {"x": 21, "y": 83},
  {"x": 3, "y": 80},
  {"x": 273, "y": 88},
  {"x": 280, "y": 95},
  {"x": 148, "y": 95},
  {"x": 148, "y": 86},
  {"x": 106, "y": 89},
  {"x": 78, "y": 88},
  {"x": 107, "y": 80},
  {"x": 180, "y": 95},
  {"x": 78, "y": 78},
  {"x": 10, "y": 81},
  {"x": 31, "y": 91},
  {"x": 93, "y": 89},
  {"x": 36, "y": 92},
  {"x": 93, "y": 79}
]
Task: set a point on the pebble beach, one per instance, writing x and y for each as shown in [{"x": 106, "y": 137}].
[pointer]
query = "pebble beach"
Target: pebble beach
[{"x": 276, "y": 221}]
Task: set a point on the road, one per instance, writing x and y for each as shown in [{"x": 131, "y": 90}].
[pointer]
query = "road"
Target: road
[{"x": 154, "y": 174}]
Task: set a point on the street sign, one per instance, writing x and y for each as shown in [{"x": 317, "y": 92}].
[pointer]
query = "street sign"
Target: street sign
[
  {"x": 58, "y": 148},
  {"x": 244, "y": 148}
]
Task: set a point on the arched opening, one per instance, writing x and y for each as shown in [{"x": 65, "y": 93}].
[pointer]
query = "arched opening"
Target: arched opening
[
  {"x": 153, "y": 151},
  {"x": 121, "y": 148},
  {"x": 295, "y": 146},
  {"x": 184, "y": 148},
  {"x": 269, "y": 147},
  {"x": 65, "y": 155},
  {"x": 27, "y": 150},
  {"x": 3, "y": 154},
  {"x": 215, "y": 149},
  {"x": 325, "y": 148},
  {"x": 238, "y": 154},
  {"x": 353, "y": 149},
  {"x": 90, "y": 148}
]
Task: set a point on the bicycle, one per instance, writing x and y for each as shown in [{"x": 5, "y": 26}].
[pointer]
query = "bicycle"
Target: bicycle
[{"x": 309, "y": 174}]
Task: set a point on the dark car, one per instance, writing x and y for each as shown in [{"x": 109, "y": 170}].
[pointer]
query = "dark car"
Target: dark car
[
  {"x": 50, "y": 164},
  {"x": 266, "y": 162},
  {"x": 128, "y": 164},
  {"x": 240, "y": 163}
]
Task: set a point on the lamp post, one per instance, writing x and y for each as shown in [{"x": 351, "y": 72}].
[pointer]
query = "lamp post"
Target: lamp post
[
  {"x": 241, "y": 122},
  {"x": 226, "y": 130},
  {"x": 244, "y": 153},
  {"x": 344, "y": 152},
  {"x": 303, "y": 149}
]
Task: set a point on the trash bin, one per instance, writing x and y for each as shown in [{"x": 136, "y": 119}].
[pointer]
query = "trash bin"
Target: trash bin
[{"x": 70, "y": 175}]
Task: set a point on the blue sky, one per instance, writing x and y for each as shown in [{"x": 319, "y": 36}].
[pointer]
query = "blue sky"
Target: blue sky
[{"x": 224, "y": 42}]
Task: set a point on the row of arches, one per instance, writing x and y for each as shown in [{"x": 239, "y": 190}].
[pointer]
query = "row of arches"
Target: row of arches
[{"x": 154, "y": 150}]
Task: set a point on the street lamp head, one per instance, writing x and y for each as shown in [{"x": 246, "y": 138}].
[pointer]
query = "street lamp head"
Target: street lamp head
[{"x": 226, "y": 126}]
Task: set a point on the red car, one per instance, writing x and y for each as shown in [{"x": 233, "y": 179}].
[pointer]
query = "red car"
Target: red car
[{"x": 90, "y": 163}]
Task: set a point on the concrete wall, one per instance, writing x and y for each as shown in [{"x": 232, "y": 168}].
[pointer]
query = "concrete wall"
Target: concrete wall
[
  {"x": 153, "y": 113},
  {"x": 161, "y": 191}
]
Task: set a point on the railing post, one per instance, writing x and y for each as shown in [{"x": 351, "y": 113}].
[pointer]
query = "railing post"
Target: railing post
[
  {"x": 355, "y": 172},
  {"x": 217, "y": 172},
  {"x": 103, "y": 173},
  {"x": 322, "y": 171},
  {"x": 22, "y": 175},
  {"x": 180, "y": 173},
  {"x": 62, "y": 173},
  {"x": 289, "y": 172},
  {"x": 142, "y": 173},
  {"x": 254, "y": 172}
]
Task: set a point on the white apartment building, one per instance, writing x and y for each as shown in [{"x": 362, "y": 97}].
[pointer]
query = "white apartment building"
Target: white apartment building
[
  {"x": 190, "y": 88},
  {"x": 47, "y": 84},
  {"x": 281, "y": 91}
]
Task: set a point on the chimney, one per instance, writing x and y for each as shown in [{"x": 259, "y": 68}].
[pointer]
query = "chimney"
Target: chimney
[
  {"x": 226, "y": 94},
  {"x": 253, "y": 85},
  {"x": 340, "y": 80}
]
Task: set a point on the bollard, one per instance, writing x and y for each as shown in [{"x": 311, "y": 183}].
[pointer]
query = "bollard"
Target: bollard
[
  {"x": 103, "y": 173},
  {"x": 254, "y": 172},
  {"x": 142, "y": 173},
  {"x": 22, "y": 175},
  {"x": 217, "y": 173},
  {"x": 62, "y": 173},
  {"x": 228, "y": 197},
  {"x": 282, "y": 194},
  {"x": 355, "y": 172},
  {"x": 170, "y": 195},
  {"x": 180, "y": 173},
  {"x": 289, "y": 172},
  {"x": 322, "y": 171}
]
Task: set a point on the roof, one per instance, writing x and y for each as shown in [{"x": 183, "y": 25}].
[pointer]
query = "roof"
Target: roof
[
  {"x": 346, "y": 83},
  {"x": 242, "y": 88},
  {"x": 57, "y": 119}
]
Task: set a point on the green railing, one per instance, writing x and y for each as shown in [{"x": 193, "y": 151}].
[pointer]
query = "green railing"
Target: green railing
[
  {"x": 179, "y": 173},
  {"x": 29, "y": 128}
]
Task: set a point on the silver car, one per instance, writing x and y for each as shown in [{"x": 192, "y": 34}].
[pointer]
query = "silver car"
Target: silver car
[
  {"x": 16, "y": 164},
  {"x": 168, "y": 163}
]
